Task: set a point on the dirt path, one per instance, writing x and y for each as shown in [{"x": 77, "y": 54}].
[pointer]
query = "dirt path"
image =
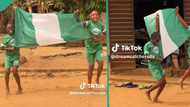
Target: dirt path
[
  {"x": 49, "y": 88},
  {"x": 172, "y": 96},
  {"x": 52, "y": 92}
]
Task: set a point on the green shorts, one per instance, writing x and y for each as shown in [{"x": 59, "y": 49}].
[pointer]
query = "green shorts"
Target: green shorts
[
  {"x": 157, "y": 72},
  {"x": 97, "y": 55},
  {"x": 11, "y": 62}
]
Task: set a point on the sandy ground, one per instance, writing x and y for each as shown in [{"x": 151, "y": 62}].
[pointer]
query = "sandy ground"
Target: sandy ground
[
  {"x": 172, "y": 96},
  {"x": 52, "y": 92},
  {"x": 54, "y": 58},
  {"x": 50, "y": 88}
]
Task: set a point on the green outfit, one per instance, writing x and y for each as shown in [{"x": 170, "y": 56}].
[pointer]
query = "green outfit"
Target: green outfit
[
  {"x": 11, "y": 57},
  {"x": 155, "y": 67},
  {"x": 94, "y": 49}
]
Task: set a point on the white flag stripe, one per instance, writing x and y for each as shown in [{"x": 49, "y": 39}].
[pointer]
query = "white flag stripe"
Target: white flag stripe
[
  {"x": 47, "y": 29},
  {"x": 168, "y": 45}
]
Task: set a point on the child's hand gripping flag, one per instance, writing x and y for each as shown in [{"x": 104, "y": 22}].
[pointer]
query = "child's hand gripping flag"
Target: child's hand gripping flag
[
  {"x": 33, "y": 30},
  {"x": 172, "y": 32}
]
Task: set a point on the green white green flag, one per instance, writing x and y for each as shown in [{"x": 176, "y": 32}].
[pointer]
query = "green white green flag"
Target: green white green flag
[
  {"x": 172, "y": 32},
  {"x": 34, "y": 29}
]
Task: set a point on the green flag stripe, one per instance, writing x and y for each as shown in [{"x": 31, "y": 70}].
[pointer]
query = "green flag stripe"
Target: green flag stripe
[
  {"x": 173, "y": 34},
  {"x": 177, "y": 32},
  {"x": 68, "y": 26},
  {"x": 24, "y": 29}
]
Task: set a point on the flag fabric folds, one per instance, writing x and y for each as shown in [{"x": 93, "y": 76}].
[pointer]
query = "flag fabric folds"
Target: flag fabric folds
[
  {"x": 172, "y": 32},
  {"x": 34, "y": 29}
]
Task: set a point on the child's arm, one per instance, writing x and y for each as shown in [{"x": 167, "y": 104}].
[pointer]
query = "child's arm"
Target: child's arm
[
  {"x": 157, "y": 23},
  {"x": 146, "y": 49},
  {"x": 182, "y": 21},
  {"x": 84, "y": 23},
  {"x": 8, "y": 49},
  {"x": 104, "y": 36},
  {"x": 157, "y": 59},
  {"x": 77, "y": 12},
  {"x": 13, "y": 13}
]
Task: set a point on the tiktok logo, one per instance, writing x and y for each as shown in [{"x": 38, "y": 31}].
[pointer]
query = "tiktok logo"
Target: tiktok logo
[
  {"x": 115, "y": 48},
  {"x": 83, "y": 85}
]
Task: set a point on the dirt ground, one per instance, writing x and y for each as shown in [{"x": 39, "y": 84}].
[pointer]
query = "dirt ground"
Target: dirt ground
[
  {"x": 54, "y": 58},
  {"x": 52, "y": 92},
  {"x": 50, "y": 88},
  {"x": 172, "y": 96}
]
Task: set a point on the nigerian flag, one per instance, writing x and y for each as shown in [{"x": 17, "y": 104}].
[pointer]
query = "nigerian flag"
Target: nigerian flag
[
  {"x": 172, "y": 32},
  {"x": 34, "y": 29}
]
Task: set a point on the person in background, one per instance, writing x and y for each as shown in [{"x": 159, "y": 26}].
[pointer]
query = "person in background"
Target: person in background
[{"x": 187, "y": 72}]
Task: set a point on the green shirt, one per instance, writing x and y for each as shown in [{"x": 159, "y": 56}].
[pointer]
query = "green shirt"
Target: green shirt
[
  {"x": 9, "y": 41},
  {"x": 154, "y": 66},
  {"x": 151, "y": 49},
  {"x": 95, "y": 29}
]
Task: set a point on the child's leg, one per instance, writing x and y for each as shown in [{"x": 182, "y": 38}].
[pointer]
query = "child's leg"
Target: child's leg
[
  {"x": 100, "y": 61},
  {"x": 175, "y": 64},
  {"x": 17, "y": 78},
  {"x": 185, "y": 75},
  {"x": 91, "y": 61},
  {"x": 100, "y": 69},
  {"x": 160, "y": 89},
  {"x": 7, "y": 73},
  {"x": 90, "y": 73},
  {"x": 158, "y": 75},
  {"x": 148, "y": 92},
  {"x": 8, "y": 65}
]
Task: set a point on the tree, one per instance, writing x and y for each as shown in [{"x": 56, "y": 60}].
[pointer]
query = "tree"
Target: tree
[
  {"x": 86, "y": 6},
  {"x": 66, "y": 6}
]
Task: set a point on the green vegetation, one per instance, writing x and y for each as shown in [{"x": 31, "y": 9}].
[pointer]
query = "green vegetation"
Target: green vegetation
[{"x": 45, "y": 6}]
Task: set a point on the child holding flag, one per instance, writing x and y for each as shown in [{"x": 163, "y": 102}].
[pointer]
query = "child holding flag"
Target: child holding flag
[
  {"x": 94, "y": 46},
  {"x": 12, "y": 56},
  {"x": 154, "y": 65}
]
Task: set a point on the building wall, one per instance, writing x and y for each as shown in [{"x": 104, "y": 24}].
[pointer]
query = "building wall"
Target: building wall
[
  {"x": 187, "y": 10},
  {"x": 121, "y": 30}
]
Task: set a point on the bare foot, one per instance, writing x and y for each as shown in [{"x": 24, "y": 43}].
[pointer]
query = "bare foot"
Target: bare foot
[
  {"x": 148, "y": 95},
  {"x": 97, "y": 81},
  {"x": 155, "y": 100},
  {"x": 7, "y": 93},
  {"x": 19, "y": 92}
]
